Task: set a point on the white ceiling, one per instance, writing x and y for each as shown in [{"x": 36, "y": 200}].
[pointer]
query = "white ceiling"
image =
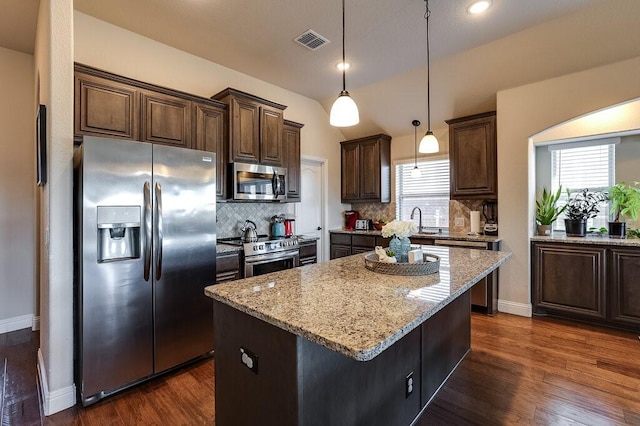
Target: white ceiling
[{"x": 514, "y": 43}]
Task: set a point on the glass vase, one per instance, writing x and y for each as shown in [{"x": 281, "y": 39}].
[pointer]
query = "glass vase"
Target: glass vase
[{"x": 401, "y": 247}]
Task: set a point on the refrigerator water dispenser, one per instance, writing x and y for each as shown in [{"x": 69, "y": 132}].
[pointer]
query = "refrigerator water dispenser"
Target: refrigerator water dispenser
[{"x": 118, "y": 233}]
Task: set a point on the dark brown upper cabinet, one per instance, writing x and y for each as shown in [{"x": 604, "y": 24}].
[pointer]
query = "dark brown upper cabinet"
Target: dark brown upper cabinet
[
  {"x": 473, "y": 156},
  {"x": 292, "y": 159},
  {"x": 113, "y": 106},
  {"x": 166, "y": 119},
  {"x": 211, "y": 135},
  {"x": 105, "y": 108},
  {"x": 256, "y": 127},
  {"x": 366, "y": 169}
]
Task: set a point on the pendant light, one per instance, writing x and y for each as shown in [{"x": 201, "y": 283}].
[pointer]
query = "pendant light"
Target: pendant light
[
  {"x": 344, "y": 112},
  {"x": 429, "y": 143},
  {"x": 416, "y": 171}
]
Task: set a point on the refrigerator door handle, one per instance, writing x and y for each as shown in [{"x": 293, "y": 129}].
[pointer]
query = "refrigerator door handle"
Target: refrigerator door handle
[
  {"x": 147, "y": 230},
  {"x": 158, "y": 228}
]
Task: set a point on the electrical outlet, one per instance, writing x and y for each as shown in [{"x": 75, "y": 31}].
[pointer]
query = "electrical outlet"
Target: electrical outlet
[
  {"x": 249, "y": 359},
  {"x": 458, "y": 222},
  {"x": 408, "y": 385}
]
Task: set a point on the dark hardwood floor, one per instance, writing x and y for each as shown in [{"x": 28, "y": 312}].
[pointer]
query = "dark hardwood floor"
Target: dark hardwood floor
[{"x": 520, "y": 371}]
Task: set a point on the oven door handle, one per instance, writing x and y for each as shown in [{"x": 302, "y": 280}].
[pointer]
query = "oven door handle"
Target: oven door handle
[{"x": 268, "y": 258}]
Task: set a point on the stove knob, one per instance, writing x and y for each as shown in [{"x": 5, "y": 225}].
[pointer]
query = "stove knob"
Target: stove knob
[{"x": 261, "y": 246}]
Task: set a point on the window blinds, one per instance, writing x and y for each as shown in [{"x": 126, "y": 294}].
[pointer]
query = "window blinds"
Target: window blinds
[
  {"x": 591, "y": 167},
  {"x": 429, "y": 192}
]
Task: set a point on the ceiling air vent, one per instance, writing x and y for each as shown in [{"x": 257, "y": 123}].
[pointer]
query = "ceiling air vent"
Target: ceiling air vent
[{"x": 311, "y": 40}]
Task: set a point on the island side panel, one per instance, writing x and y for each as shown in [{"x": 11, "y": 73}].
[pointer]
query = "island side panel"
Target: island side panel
[
  {"x": 245, "y": 397},
  {"x": 446, "y": 340},
  {"x": 337, "y": 390}
]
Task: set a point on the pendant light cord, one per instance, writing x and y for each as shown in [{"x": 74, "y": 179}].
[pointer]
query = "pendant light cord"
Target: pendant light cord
[
  {"x": 427, "y": 14},
  {"x": 344, "y": 65},
  {"x": 415, "y": 124}
]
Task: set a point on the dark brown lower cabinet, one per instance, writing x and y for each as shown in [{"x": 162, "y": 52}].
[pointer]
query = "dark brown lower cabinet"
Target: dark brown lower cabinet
[
  {"x": 624, "y": 280},
  {"x": 347, "y": 244},
  {"x": 594, "y": 283},
  {"x": 308, "y": 253},
  {"x": 228, "y": 267}
]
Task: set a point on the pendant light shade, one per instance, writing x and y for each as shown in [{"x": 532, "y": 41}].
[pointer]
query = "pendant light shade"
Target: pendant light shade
[
  {"x": 415, "y": 172},
  {"x": 344, "y": 112},
  {"x": 429, "y": 144}
]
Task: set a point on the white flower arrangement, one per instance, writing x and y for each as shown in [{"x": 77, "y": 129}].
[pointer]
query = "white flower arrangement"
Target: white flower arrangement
[{"x": 399, "y": 228}]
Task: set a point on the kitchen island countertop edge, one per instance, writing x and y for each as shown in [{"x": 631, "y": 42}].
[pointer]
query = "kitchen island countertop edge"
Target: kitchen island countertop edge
[{"x": 351, "y": 310}]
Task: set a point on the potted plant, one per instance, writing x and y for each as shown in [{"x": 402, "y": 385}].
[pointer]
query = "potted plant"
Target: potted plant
[
  {"x": 625, "y": 201},
  {"x": 547, "y": 211},
  {"x": 582, "y": 206}
]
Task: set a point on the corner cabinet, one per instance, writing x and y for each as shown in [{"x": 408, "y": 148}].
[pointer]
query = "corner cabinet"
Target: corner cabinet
[
  {"x": 113, "y": 106},
  {"x": 255, "y": 128},
  {"x": 589, "y": 282},
  {"x": 473, "y": 157},
  {"x": 366, "y": 169},
  {"x": 292, "y": 159}
]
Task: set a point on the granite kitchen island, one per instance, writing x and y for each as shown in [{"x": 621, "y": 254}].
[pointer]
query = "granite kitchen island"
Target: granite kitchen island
[{"x": 335, "y": 343}]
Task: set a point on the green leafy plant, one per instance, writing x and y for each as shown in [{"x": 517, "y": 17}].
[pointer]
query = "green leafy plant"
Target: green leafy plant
[
  {"x": 625, "y": 200},
  {"x": 602, "y": 230},
  {"x": 584, "y": 204},
  {"x": 633, "y": 233},
  {"x": 546, "y": 209}
]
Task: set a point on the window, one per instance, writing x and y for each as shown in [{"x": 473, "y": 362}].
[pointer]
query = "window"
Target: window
[
  {"x": 430, "y": 192},
  {"x": 591, "y": 167}
]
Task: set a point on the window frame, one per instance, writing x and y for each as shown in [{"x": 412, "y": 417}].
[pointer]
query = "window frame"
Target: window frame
[
  {"x": 411, "y": 162},
  {"x": 604, "y": 214}
]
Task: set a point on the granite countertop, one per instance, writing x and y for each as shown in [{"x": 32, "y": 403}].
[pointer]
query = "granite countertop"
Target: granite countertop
[
  {"x": 347, "y": 308},
  {"x": 588, "y": 240},
  {"x": 428, "y": 235}
]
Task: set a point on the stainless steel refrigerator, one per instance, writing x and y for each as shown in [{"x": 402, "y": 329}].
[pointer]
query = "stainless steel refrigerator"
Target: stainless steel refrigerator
[{"x": 145, "y": 249}]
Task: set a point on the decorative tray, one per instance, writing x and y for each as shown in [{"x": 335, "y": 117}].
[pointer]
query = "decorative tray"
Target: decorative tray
[{"x": 429, "y": 265}]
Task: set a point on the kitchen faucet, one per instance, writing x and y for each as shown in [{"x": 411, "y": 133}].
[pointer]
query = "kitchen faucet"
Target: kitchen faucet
[{"x": 419, "y": 216}]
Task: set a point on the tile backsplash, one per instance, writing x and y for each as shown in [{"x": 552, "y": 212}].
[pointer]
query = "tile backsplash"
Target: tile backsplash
[
  {"x": 462, "y": 209},
  {"x": 231, "y": 216},
  {"x": 457, "y": 209},
  {"x": 376, "y": 211}
]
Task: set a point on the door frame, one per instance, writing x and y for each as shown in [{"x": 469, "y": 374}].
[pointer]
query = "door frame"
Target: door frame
[{"x": 323, "y": 246}]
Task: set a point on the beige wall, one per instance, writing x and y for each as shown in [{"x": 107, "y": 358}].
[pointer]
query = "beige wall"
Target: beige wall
[
  {"x": 54, "y": 77},
  {"x": 17, "y": 191},
  {"x": 524, "y": 112},
  {"x": 114, "y": 49}
]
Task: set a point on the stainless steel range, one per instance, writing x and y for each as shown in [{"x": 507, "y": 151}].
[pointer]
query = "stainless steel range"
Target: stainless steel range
[{"x": 267, "y": 254}]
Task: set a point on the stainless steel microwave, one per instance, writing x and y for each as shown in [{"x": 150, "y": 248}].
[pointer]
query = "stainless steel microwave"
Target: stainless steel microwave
[{"x": 257, "y": 182}]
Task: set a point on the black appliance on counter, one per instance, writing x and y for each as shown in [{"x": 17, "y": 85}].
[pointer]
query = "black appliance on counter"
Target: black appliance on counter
[
  {"x": 490, "y": 213},
  {"x": 267, "y": 255}
]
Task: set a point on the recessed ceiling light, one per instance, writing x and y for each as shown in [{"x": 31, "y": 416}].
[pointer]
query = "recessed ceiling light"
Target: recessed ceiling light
[
  {"x": 479, "y": 7},
  {"x": 343, "y": 66}
]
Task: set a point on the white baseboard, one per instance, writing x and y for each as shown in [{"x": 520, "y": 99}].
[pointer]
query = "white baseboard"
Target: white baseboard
[
  {"x": 521, "y": 309},
  {"x": 16, "y": 323},
  {"x": 58, "y": 400},
  {"x": 35, "y": 325}
]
